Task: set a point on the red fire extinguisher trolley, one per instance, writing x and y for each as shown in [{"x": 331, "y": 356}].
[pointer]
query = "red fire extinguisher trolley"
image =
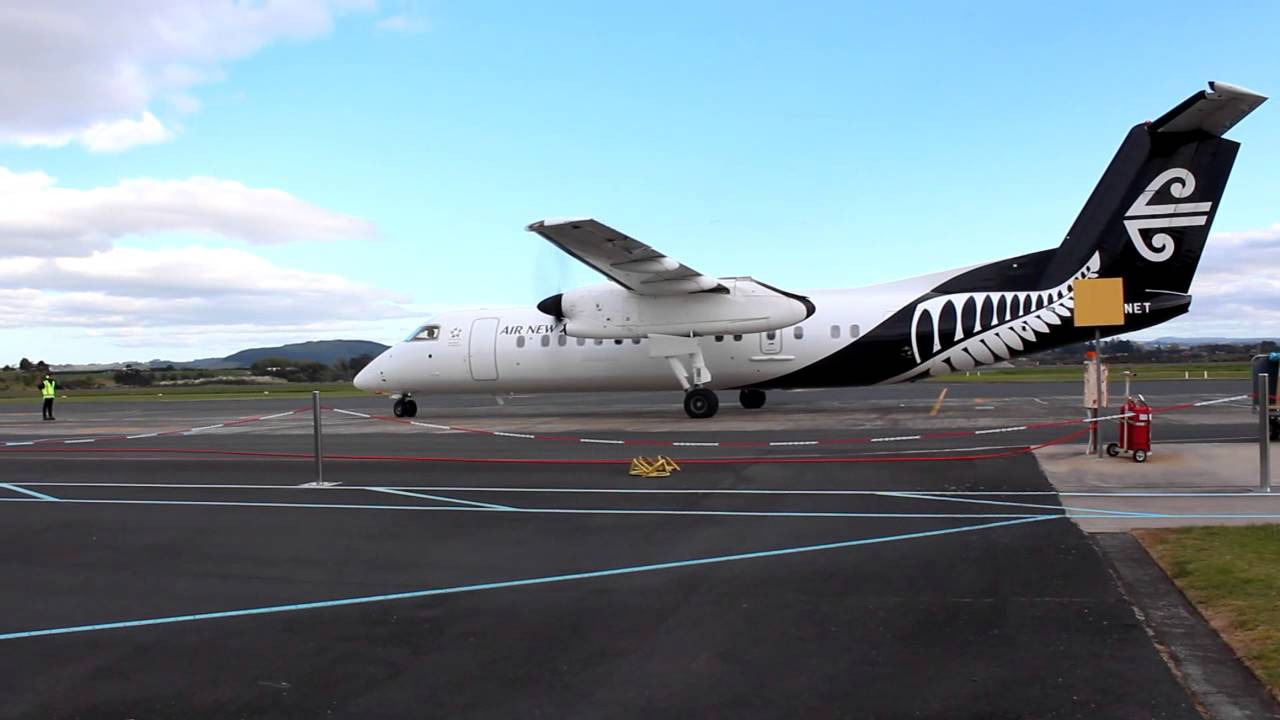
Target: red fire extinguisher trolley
[{"x": 1135, "y": 430}]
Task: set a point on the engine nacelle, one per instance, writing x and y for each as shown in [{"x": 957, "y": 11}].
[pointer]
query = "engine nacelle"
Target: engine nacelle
[{"x": 608, "y": 311}]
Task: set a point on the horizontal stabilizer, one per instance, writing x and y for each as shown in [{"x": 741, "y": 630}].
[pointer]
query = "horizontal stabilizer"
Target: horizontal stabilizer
[{"x": 1214, "y": 111}]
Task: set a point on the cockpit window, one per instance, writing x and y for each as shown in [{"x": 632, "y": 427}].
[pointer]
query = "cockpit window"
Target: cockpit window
[{"x": 426, "y": 332}]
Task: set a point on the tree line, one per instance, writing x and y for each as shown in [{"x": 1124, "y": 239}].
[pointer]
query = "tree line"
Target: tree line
[
  {"x": 300, "y": 371},
  {"x": 308, "y": 371},
  {"x": 1129, "y": 351}
]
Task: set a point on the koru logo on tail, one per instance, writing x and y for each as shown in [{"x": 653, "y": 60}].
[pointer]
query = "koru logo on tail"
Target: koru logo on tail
[{"x": 1143, "y": 215}]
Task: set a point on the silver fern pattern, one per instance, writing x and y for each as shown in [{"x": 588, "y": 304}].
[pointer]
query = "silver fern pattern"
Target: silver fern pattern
[{"x": 1013, "y": 322}]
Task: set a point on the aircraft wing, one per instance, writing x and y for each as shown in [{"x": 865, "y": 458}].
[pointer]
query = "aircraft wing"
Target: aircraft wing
[{"x": 624, "y": 260}]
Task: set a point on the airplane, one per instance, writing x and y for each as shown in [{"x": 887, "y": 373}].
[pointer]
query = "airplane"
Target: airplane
[{"x": 659, "y": 325}]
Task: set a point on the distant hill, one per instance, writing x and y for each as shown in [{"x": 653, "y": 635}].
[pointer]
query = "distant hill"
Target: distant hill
[
  {"x": 1193, "y": 341},
  {"x": 323, "y": 351}
]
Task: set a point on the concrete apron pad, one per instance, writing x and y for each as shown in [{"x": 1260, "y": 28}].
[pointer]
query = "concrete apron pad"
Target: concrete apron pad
[{"x": 1179, "y": 485}]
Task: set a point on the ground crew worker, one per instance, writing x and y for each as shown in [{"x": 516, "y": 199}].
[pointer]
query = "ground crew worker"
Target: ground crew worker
[{"x": 48, "y": 389}]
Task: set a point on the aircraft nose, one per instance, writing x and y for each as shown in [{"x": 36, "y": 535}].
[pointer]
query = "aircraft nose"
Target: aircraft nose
[
  {"x": 369, "y": 378},
  {"x": 364, "y": 379}
]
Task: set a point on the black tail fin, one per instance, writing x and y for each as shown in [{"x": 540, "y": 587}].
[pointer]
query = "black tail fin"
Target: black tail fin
[
  {"x": 1146, "y": 222},
  {"x": 1150, "y": 214}
]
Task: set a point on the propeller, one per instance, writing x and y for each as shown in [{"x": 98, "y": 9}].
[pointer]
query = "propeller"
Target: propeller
[
  {"x": 553, "y": 306},
  {"x": 551, "y": 275}
]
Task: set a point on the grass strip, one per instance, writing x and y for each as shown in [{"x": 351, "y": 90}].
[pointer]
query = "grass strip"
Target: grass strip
[{"x": 1232, "y": 574}]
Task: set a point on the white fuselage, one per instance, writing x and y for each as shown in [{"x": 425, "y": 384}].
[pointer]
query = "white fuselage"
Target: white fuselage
[{"x": 519, "y": 349}]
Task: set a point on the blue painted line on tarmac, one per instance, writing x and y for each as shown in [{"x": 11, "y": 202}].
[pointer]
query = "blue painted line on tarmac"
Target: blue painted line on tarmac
[
  {"x": 514, "y": 583},
  {"x": 492, "y": 506},
  {"x": 25, "y": 491},
  {"x": 548, "y": 511},
  {"x": 1005, "y": 503}
]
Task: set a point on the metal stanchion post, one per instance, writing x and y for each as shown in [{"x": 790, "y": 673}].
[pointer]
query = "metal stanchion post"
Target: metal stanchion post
[
  {"x": 1262, "y": 387},
  {"x": 1097, "y": 369},
  {"x": 315, "y": 414}
]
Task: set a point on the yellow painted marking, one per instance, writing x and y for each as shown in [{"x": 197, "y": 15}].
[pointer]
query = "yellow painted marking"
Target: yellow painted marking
[{"x": 937, "y": 404}]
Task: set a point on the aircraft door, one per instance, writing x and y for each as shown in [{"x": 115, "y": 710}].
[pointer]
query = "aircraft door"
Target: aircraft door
[
  {"x": 771, "y": 342},
  {"x": 482, "y": 350}
]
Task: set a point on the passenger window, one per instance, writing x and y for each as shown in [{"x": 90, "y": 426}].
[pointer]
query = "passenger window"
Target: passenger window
[
  {"x": 635, "y": 341},
  {"x": 519, "y": 341},
  {"x": 772, "y": 335},
  {"x": 561, "y": 340},
  {"x": 599, "y": 341},
  {"x": 582, "y": 341},
  {"x": 719, "y": 338},
  {"x": 546, "y": 341},
  {"x": 854, "y": 331},
  {"x": 617, "y": 341},
  {"x": 426, "y": 332},
  {"x": 798, "y": 332},
  {"x": 835, "y": 332},
  {"x": 737, "y": 338}
]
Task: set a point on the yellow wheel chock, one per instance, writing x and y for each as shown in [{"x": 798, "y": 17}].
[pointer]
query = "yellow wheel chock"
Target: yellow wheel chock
[{"x": 661, "y": 466}]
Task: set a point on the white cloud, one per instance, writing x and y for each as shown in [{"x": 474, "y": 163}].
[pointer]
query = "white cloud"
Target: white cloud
[
  {"x": 122, "y": 134},
  {"x": 170, "y": 273},
  {"x": 402, "y": 23},
  {"x": 106, "y": 137},
  {"x": 1236, "y": 289},
  {"x": 39, "y": 218},
  {"x": 67, "y": 67},
  {"x": 184, "y": 290},
  {"x": 60, "y": 270}
]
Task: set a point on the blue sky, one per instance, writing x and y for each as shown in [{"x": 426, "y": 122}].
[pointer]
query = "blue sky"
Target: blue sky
[{"x": 810, "y": 145}]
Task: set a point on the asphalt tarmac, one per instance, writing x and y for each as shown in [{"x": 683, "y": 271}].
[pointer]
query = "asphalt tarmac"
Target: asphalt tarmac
[{"x": 162, "y": 577}]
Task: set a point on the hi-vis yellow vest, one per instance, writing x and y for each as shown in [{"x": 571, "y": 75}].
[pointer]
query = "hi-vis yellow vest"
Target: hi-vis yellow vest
[{"x": 46, "y": 389}]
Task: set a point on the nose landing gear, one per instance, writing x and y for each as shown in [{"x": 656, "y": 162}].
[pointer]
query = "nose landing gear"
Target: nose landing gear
[
  {"x": 405, "y": 407},
  {"x": 701, "y": 403}
]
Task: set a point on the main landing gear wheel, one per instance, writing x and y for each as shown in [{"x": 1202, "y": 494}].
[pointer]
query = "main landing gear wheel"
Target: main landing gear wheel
[
  {"x": 405, "y": 407},
  {"x": 701, "y": 403},
  {"x": 751, "y": 398}
]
